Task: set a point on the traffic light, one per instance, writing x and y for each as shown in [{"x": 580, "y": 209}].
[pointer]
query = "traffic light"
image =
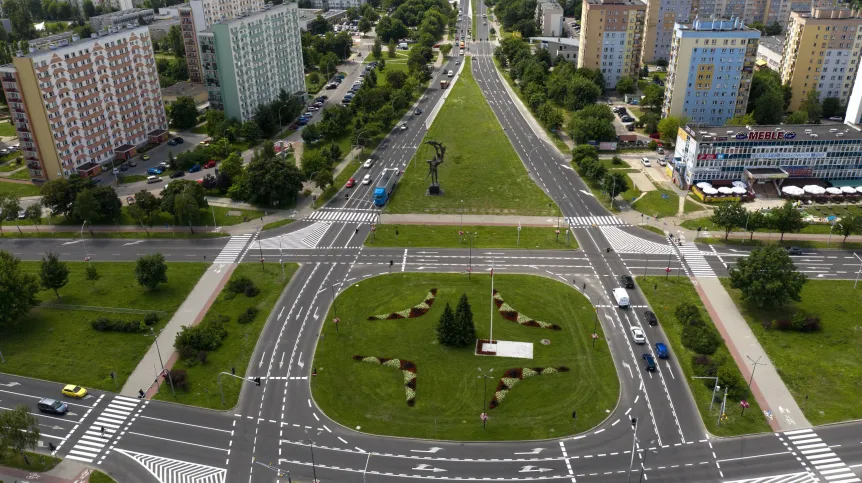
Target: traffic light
[
  {"x": 257, "y": 381},
  {"x": 574, "y": 415},
  {"x": 390, "y": 263}
]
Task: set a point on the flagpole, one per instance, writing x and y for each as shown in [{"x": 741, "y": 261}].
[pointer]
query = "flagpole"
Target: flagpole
[{"x": 491, "y": 340}]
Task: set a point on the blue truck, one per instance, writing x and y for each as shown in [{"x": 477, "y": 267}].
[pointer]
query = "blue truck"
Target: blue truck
[{"x": 385, "y": 186}]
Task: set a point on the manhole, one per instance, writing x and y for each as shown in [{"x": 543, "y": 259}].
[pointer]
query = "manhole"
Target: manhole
[{"x": 546, "y": 342}]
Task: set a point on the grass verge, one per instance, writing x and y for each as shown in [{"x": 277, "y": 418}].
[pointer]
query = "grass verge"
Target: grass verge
[
  {"x": 835, "y": 244},
  {"x": 449, "y": 397},
  {"x": 817, "y": 366},
  {"x": 65, "y": 339},
  {"x": 18, "y": 189},
  {"x": 707, "y": 224},
  {"x": 276, "y": 224},
  {"x": 131, "y": 178},
  {"x": 481, "y": 167},
  {"x": 653, "y": 229},
  {"x": 39, "y": 463},
  {"x": 340, "y": 180},
  {"x": 446, "y": 236},
  {"x": 99, "y": 477},
  {"x": 11, "y": 233},
  {"x": 237, "y": 348},
  {"x": 691, "y": 207},
  {"x": 659, "y": 203},
  {"x": 663, "y": 299}
]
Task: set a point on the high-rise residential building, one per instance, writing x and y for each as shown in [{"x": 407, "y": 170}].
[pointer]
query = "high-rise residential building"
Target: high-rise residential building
[
  {"x": 79, "y": 103},
  {"x": 710, "y": 69},
  {"x": 611, "y": 35},
  {"x": 549, "y": 17},
  {"x": 750, "y": 11},
  {"x": 249, "y": 60},
  {"x": 122, "y": 18},
  {"x": 197, "y": 15},
  {"x": 821, "y": 51},
  {"x": 661, "y": 16}
]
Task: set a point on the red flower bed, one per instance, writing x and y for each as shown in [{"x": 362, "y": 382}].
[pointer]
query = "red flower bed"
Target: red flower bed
[
  {"x": 479, "y": 351},
  {"x": 416, "y": 311}
]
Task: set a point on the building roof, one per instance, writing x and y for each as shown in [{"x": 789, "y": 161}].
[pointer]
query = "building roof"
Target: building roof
[
  {"x": 558, "y": 40},
  {"x": 264, "y": 12},
  {"x": 164, "y": 24},
  {"x": 800, "y": 132},
  {"x": 775, "y": 43},
  {"x": 549, "y": 4},
  {"x": 184, "y": 88},
  {"x": 635, "y": 3},
  {"x": 124, "y": 13},
  {"x": 104, "y": 35}
]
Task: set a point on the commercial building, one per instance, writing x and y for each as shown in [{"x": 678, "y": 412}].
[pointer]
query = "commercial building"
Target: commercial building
[
  {"x": 134, "y": 16},
  {"x": 761, "y": 154},
  {"x": 710, "y": 69},
  {"x": 79, "y": 103},
  {"x": 162, "y": 27},
  {"x": 821, "y": 52},
  {"x": 337, "y": 4},
  {"x": 307, "y": 15},
  {"x": 769, "y": 52},
  {"x": 249, "y": 60},
  {"x": 549, "y": 17},
  {"x": 611, "y": 35},
  {"x": 564, "y": 47},
  {"x": 661, "y": 16}
]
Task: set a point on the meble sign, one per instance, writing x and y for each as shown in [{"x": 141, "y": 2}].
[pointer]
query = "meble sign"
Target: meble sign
[{"x": 765, "y": 135}]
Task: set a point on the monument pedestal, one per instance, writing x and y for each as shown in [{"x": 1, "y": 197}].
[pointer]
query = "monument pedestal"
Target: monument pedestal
[{"x": 434, "y": 190}]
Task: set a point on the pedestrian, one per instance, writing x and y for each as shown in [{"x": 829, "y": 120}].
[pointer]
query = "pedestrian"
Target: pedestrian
[{"x": 103, "y": 430}]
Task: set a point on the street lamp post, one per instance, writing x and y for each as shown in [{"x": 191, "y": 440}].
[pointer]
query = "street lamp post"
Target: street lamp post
[
  {"x": 754, "y": 363},
  {"x": 485, "y": 375},
  {"x": 715, "y": 388},
  {"x": 332, "y": 291},
  {"x": 634, "y": 447},
  {"x": 159, "y": 352},
  {"x": 643, "y": 461}
]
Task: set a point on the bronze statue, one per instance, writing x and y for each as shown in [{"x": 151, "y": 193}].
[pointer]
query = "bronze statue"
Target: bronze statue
[{"x": 434, "y": 189}]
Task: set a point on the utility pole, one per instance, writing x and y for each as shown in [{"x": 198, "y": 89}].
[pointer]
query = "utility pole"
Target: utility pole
[
  {"x": 159, "y": 352},
  {"x": 485, "y": 375},
  {"x": 634, "y": 447}
]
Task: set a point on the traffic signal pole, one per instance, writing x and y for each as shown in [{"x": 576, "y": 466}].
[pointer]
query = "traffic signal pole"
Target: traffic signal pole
[{"x": 256, "y": 381}]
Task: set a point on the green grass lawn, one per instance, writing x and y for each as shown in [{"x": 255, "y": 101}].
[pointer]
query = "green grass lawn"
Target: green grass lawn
[
  {"x": 449, "y": 397},
  {"x": 818, "y": 366},
  {"x": 340, "y": 180},
  {"x": 18, "y": 189},
  {"x": 707, "y": 224},
  {"x": 7, "y": 129},
  {"x": 630, "y": 194},
  {"x": 131, "y": 178},
  {"x": 23, "y": 174},
  {"x": 237, "y": 348},
  {"x": 481, "y": 167},
  {"x": 10, "y": 162},
  {"x": 446, "y": 236},
  {"x": 655, "y": 204},
  {"x": 199, "y": 129},
  {"x": 774, "y": 240},
  {"x": 653, "y": 229},
  {"x": 206, "y": 218},
  {"x": 669, "y": 293},
  {"x": 390, "y": 67},
  {"x": 70, "y": 351},
  {"x": 691, "y": 207},
  {"x": 312, "y": 87},
  {"x": 277, "y": 224},
  {"x": 39, "y": 463},
  {"x": 99, "y": 477}
]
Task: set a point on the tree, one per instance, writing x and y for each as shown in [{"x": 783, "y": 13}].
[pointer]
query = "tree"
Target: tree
[
  {"x": 811, "y": 104},
  {"x": 754, "y": 221},
  {"x": 668, "y": 128},
  {"x": 767, "y": 278},
  {"x": 465, "y": 331},
  {"x": 271, "y": 180},
  {"x": 798, "y": 117},
  {"x": 151, "y": 270},
  {"x": 743, "y": 120},
  {"x": 145, "y": 209},
  {"x": 34, "y": 214},
  {"x": 769, "y": 107},
  {"x": 59, "y": 195},
  {"x": 773, "y": 29},
  {"x": 832, "y": 107},
  {"x": 89, "y": 9},
  {"x": 184, "y": 113},
  {"x": 18, "y": 290},
  {"x": 53, "y": 273},
  {"x": 86, "y": 206},
  {"x": 615, "y": 183},
  {"x": 446, "y": 328},
  {"x": 377, "y": 49},
  {"x": 787, "y": 219},
  {"x": 729, "y": 215},
  {"x": 231, "y": 167},
  {"x": 445, "y": 49},
  {"x": 93, "y": 274},
  {"x": 390, "y": 48},
  {"x": 186, "y": 208},
  {"x": 250, "y": 131},
  {"x": 626, "y": 85},
  {"x": 850, "y": 224},
  {"x": 18, "y": 13},
  {"x": 328, "y": 63},
  {"x": 109, "y": 206},
  {"x": 364, "y": 26},
  {"x": 214, "y": 119},
  {"x": 19, "y": 430},
  {"x": 396, "y": 78},
  {"x": 175, "y": 40},
  {"x": 10, "y": 205},
  {"x": 653, "y": 97},
  {"x": 584, "y": 151}
]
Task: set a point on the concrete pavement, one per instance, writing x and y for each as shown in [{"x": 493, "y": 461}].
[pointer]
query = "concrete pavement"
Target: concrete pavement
[{"x": 767, "y": 386}]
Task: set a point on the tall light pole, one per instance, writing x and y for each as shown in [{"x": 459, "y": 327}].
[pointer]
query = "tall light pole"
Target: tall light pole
[
  {"x": 634, "y": 443},
  {"x": 159, "y": 352},
  {"x": 485, "y": 375},
  {"x": 754, "y": 363},
  {"x": 83, "y": 242},
  {"x": 643, "y": 460}
]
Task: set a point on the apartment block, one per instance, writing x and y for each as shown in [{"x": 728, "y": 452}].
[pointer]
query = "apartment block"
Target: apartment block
[
  {"x": 549, "y": 17},
  {"x": 769, "y": 52},
  {"x": 710, "y": 70},
  {"x": 79, "y": 103},
  {"x": 611, "y": 37},
  {"x": 661, "y": 16},
  {"x": 249, "y": 60},
  {"x": 135, "y": 16},
  {"x": 564, "y": 47},
  {"x": 821, "y": 51}
]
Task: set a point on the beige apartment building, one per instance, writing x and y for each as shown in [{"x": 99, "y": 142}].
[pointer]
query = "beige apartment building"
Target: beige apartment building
[{"x": 611, "y": 38}]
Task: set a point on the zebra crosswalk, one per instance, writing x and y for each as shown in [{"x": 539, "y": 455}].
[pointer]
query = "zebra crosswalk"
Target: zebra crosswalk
[
  {"x": 354, "y": 216},
  {"x": 694, "y": 259},
  {"x": 167, "y": 470},
  {"x": 232, "y": 251},
  {"x": 801, "y": 477},
  {"x": 818, "y": 454},
  {"x": 304, "y": 238},
  {"x": 625, "y": 242},
  {"x": 100, "y": 433},
  {"x": 585, "y": 221}
]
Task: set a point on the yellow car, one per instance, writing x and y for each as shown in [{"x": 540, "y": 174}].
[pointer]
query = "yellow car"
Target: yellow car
[
  {"x": 145, "y": 157},
  {"x": 72, "y": 390}
]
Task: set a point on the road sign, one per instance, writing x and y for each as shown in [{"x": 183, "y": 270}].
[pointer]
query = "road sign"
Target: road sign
[
  {"x": 667, "y": 269},
  {"x": 336, "y": 320},
  {"x": 595, "y": 336},
  {"x": 483, "y": 416},
  {"x": 743, "y": 403}
]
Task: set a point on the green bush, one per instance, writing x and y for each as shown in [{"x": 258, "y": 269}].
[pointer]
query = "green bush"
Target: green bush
[
  {"x": 729, "y": 377},
  {"x": 248, "y": 316},
  {"x": 686, "y": 312},
  {"x": 704, "y": 366},
  {"x": 151, "y": 319},
  {"x": 700, "y": 339},
  {"x": 242, "y": 285},
  {"x": 104, "y": 324},
  {"x": 206, "y": 336}
]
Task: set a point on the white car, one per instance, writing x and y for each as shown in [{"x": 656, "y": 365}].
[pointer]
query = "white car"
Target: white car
[
  {"x": 368, "y": 163},
  {"x": 638, "y": 335},
  {"x": 366, "y": 179},
  {"x": 313, "y": 109},
  {"x": 450, "y": 73},
  {"x": 645, "y": 162},
  {"x": 462, "y": 52},
  {"x": 403, "y": 126}
]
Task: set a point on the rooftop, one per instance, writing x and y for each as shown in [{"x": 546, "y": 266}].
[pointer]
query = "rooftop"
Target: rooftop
[
  {"x": 774, "y": 43},
  {"x": 734, "y": 23},
  {"x": 104, "y": 35},
  {"x": 123, "y": 13},
  {"x": 637, "y": 3},
  {"x": 184, "y": 88},
  {"x": 794, "y": 132},
  {"x": 264, "y": 12},
  {"x": 557, "y": 40}
]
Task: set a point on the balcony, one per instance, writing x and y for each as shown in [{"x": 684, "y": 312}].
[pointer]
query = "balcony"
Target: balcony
[{"x": 35, "y": 166}]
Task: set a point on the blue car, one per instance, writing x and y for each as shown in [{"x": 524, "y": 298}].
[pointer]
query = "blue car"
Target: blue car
[
  {"x": 302, "y": 121},
  {"x": 195, "y": 168},
  {"x": 155, "y": 170},
  {"x": 661, "y": 350}
]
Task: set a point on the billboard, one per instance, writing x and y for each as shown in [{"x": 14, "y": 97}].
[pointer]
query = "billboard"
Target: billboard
[{"x": 765, "y": 135}]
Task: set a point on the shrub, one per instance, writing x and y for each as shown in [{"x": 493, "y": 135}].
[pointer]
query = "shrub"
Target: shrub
[
  {"x": 781, "y": 324},
  {"x": 801, "y": 323},
  {"x": 251, "y": 291},
  {"x": 104, "y": 324},
  {"x": 202, "y": 357},
  {"x": 704, "y": 366},
  {"x": 240, "y": 285},
  {"x": 179, "y": 378},
  {"x": 700, "y": 339},
  {"x": 207, "y": 336},
  {"x": 730, "y": 378},
  {"x": 151, "y": 319},
  {"x": 685, "y": 312},
  {"x": 248, "y": 316}
]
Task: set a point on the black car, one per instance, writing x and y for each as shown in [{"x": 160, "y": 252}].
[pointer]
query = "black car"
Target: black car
[
  {"x": 321, "y": 99},
  {"x": 172, "y": 142},
  {"x": 178, "y": 174},
  {"x": 627, "y": 119},
  {"x": 626, "y": 281},
  {"x": 123, "y": 167},
  {"x": 794, "y": 251},
  {"x": 649, "y": 362},
  {"x": 650, "y": 317},
  {"x": 179, "y": 140},
  {"x": 417, "y": 111}
]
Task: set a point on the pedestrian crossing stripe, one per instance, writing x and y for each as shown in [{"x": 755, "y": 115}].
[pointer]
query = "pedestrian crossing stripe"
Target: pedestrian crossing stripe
[
  {"x": 695, "y": 260},
  {"x": 100, "y": 432},
  {"x": 583, "y": 221},
  {"x": 344, "y": 215},
  {"x": 231, "y": 252},
  {"x": 802, "y": 477},
  {"x": 625, "y": 242},
  {"x": 167, "y": 470},
  {"x": 819, "y": 455},
  {"x": 305, "y": 238}
]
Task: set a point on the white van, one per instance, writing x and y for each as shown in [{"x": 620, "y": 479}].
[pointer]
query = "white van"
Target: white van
[
  {"x": 153, "y": 179},
  {"x": 403, "y": 46},
  {"x": 622, "y": 297},
  {"x": 645, "y": 162}
]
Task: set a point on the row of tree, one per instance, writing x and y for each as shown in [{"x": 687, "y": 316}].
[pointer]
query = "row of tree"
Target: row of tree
[
  {"x": 516, "y": 15},
  {"x": 59, "y": 16},
  {"x": 785, "y": 219},
  {"x": 768, "y": 101},
  {"x": 586, "y": 158}
]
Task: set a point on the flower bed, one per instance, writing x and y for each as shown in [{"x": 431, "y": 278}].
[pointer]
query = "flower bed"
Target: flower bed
[
  {"x": 513, "y": 376},
  {"x": 413, "y": 312},
  {"x": 510, "y": 313},
  {"x": 407, "y": 368},
  {"x": 480, "y": 343}
]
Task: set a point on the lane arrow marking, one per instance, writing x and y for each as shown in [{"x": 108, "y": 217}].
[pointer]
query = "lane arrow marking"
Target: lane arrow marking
[
  {"x": 424, "y": 467},
  {"x": 299, "y": 361},
  {"x": 627, "y": 366},
  {"x": 298, "y": 313},
  {"x": 669, "y": 370},
  {"x": 281, "y": 362},
  {"x": 259, "y": 364},
  {"x": 315, "y": 314},
  {"x": 130, "y": 243},
  {"x": 535, "y": 451},
  {"x": 533, "y": 469},
  {"x": 11, "y": 384},
  {"x": 433, "y": 449}
]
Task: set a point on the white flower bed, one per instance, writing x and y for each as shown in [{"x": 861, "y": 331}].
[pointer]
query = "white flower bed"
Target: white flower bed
[
  {"x": 411, "y": 394},
  {"x": 549, "y": 370},
  {"x": 409, "y": 376},
  {"x": 509, "y": 381},
  {"x": 527, "y": 372},
  {"x": 501, "y": 394},
  {"x": 395, "y": 363},
  {"x": 404, "y": 313},
  {"x": 371, "y": 359}
]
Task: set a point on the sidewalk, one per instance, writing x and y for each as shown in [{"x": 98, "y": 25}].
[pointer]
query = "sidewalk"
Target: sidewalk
[
  {"x": 469, "y": 220},
  {"x": 767, "y": 387},
  {"x": 68, "y": 471}
]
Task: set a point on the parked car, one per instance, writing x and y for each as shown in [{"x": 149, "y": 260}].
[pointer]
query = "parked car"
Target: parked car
[
  {"x": 133, "y": 163},
  {"x": 179, "y": 140},
  {"x": 312, "y": 108},
  {"x": 172, "y": 142},
  {"x": 350, "y": 183},
  {"x": 210, "y": 164},
  {"x": 195, "y": 168},
  {"x": 638, "y": 335},
  {"x": 660, "y": 150},
  {"x": 661, "y": 350},
  {"x": 836, "y": 118},
  {"x": 649, "y": 362},
  {"x": 321, "y": 99},
  {"x": 646, "y": 162},
  {"x": 627, "y": 119},
  {"x": 124, "y": 167},
  {"x": 330, "y": 86},
  {"x": 155, "y": 170},
  {"x": 178, "y": 174},
  {"x": 650, "y": 317},
  {"x": 145, "y": 157}
]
